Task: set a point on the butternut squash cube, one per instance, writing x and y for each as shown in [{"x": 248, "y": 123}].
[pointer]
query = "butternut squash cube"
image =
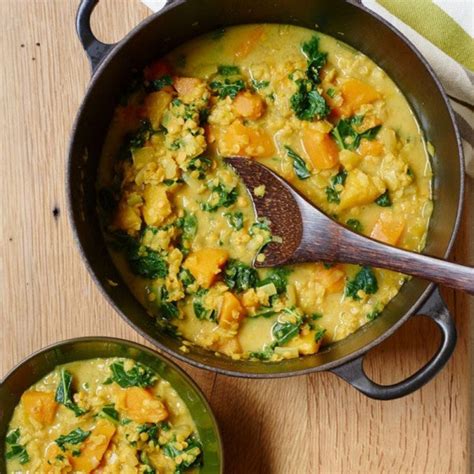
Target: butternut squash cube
[
  {"x": 232, "y": 312},
  {"x": 140, "y": 405},
  {"x": 239, "y": 140},
  {"x": 157, "y": 206},
  {"x": 40, "y": 406},
  {"x": 186, "y": 85},
  {"x": 249, "y": 105},
  {"x": 155, "y": 104},
  {"x": 331, "y": 278},
  {"x": 355, "y": 94},
  {"x": 370, "y": 147},
  {"x": 321, "y": 149},
  {"x": 388, "y": 228},
  {"x": 94, "y": 447},
  {"x": 127, "y": 218},
  {"x": 359, "y": 189},
  {"x": 306, "y": 344},
  {"x": 206, "y": 264}
]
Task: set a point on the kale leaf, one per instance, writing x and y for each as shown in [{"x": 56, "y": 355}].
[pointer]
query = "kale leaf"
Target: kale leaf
[
  {"x": 15, "y": 449},
  {"x": 299, "y": 164},
  {"x": 235, "y": 219},
  {"x": 200, "y": 164},
  {"x": 364, "y": 280},
  {"x": 316, "y": 59},
  {"x": 355, "y": 225},
  {"x": 279, "y": 277},
  {"x": 239, "y": 276},
  {"x": 158, "y": 84},
  {"x": 307, "y": 102},
  {"x": 332, "y": 193},
  {"x": 384, "y": 200},
  {"x": 347, "y": 137},
  {"x": 200, "y": 311},
  {"x": 228, "y": 70},
  {"x": 138, "y": 376},
  {"x": 227, "y": 88},
  {"x": 225, "y": 198},
  {"x": 191, "y": 455},
  {"x": 110, "y": 413},
  {"x": 64, "y": 393},
  {"x": 76, "y": 436}
]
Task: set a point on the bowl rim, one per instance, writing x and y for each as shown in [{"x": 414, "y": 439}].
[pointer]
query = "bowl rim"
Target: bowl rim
[
  {"x": 152, "y": 352},
  {"x": 425, "y": 294}
]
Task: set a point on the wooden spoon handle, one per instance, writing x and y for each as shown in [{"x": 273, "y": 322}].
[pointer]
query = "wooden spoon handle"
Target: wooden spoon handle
[{"x": 353, "y": 248}]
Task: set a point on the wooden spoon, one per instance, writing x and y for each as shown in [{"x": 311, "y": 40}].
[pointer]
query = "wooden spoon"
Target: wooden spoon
[{"x": 309, "y": 235}]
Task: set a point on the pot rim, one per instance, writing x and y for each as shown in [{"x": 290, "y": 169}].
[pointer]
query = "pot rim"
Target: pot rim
[
  {"x": 234, "y": 373},
  {"x": 152, "y": 352}
]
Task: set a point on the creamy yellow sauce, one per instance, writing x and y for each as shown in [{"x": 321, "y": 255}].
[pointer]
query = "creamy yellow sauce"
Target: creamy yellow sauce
[
  {"x": 320, "y": 114},
  {"x": 110, "y": 421}
]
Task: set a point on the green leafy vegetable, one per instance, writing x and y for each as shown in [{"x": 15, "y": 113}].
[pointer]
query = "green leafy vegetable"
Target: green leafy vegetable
[
  {"x": 308, "y": 103},
  {"x": 138, "y": 376},
  {"x": 158, "y": 84},
  {"x": 347, "y": 137},
  {"x": 319, "y": 334},
  {"x": 316, "y": 59},
  {"x": 64, "y": 393},
  {"x": 364, "y": 280},
  {"x": 331, "y": 92},
  {"x": 299, "y": 164},
  {"x": 225, "y": 198},
  {"x": 332, "y": 192},
  {"x": 283, "y": 332},
  {"x": 227, "y": 88},
  {"x": 228, "y": 70},
  {"x": 147, "y": 263},
  {"x": 355, "y": 225},
  {"x": 188, "y": 225},
  {"x": 235, "y": 219},
  {"x": 279, "y": 277},
  {"x": 110, "y": 413},
  {"x": 200, "y": 311},
  {"x": 373, "y": 315},
  {"x": 239, "y": 276},
  {"x": 384, "y": 200},
  {"x": 265, "y": 354},
  {"x": 200, "y": 164},
  {"x": 257, "y": 85},
  {"x": 168, "y": 309},
  {"x": 14, "y": 448},
  {"x": 191, "y": 456},
  {"x": 76, "y": 436},
  {"x": 153, "y": 430}
]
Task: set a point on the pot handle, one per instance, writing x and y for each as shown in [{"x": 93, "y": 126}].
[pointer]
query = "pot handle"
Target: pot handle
[
  {"x": 95, "y": 49},
  {"x": 353, "y": 371}
]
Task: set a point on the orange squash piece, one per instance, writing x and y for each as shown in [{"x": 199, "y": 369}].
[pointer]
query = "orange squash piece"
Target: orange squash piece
[
  {"x": 355, "y": 94},
  {"x": 94, "y": 447},
  {"x": 206, "y": 264},
  {"x": 388, "y": 229},
  {"x": 140, "y": 405},
  {"x": 232, "y": 312},
  {"x": 240, "y": 140},
  {"x": 321, "y": 149},
  {"x": 248, "y": 44},
  {"x": 249, "y": 105},
  {"x": 40, "y": 406},
  {"x": 185, "y": 85},
  {"x": 332, "y": 278},
  {"x": 370, "y": 147}
]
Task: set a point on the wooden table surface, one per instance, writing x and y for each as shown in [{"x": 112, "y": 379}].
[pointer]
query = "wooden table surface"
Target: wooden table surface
[{"x": 305, "y": 424}]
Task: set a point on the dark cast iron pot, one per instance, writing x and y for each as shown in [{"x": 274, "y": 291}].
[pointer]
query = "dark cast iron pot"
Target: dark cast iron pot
[
  {"x": 41, "y": 363},
  {"x": 182, "y": 20}
]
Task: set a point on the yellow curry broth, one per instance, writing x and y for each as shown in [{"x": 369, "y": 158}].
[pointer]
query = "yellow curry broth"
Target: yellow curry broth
[
  {"x": 124, "y": 430},
  {"x": 380, "y": 185}
]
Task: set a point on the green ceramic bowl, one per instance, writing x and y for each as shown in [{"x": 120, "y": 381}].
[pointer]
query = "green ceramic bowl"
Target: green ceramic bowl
[{"x": 44, "y": 361}]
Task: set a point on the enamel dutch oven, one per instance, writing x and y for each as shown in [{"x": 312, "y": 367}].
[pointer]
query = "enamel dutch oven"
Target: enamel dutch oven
[
  {"x": 41, "y": 363},
  {"x": 182, "y": 20}
]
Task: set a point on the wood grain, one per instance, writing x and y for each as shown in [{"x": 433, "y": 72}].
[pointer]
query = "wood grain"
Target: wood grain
[{"x": 306, "y": 424}]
